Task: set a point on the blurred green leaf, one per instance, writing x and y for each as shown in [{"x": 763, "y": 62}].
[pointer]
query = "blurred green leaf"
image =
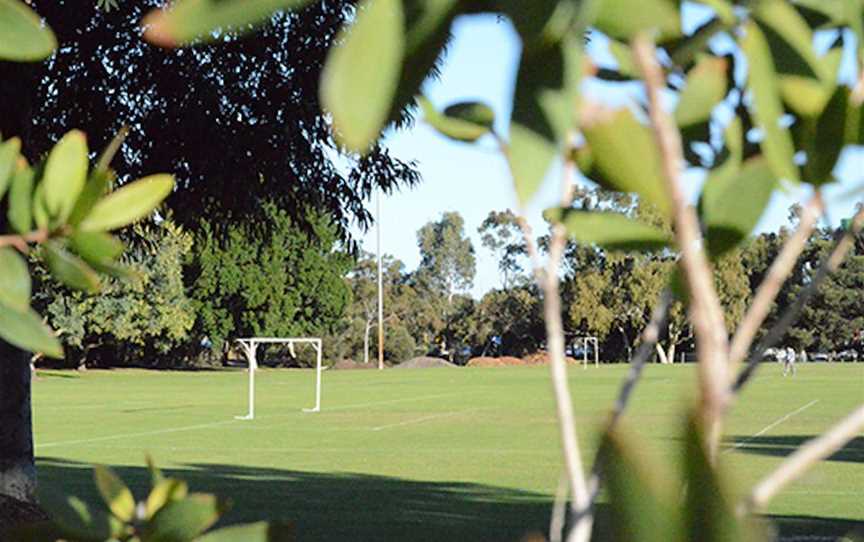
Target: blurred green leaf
[
  {"x": 186, "y": 21},
  {"x": 709, "y": 515},
  {"x": 767, "y": 108},
  {"x": 14, "y": 280},
  {"x": 611, "y": 231},
  {"x": 253, "y": 532},
  {"x": 466, "y": 121},
  {"x": 684, "y": 49},
  {"x": 854, "y": 129},
  {"x": 96, "y": 187},
  {"x": 623, "y": 19},
  {"x": 531, "y": 19},
  {"x": 163, "y": 492},
  {"x": 156, "y": 475},
  {"x": 833, "y": 12},
  {"x": 806, "y": 81},
  {"x": 27, "y": 331},
  {"x": 359, "y": 80},
  {"x": 808, "y": 96},
  {"x": 183, "y": 520},
  {"x": 40, "y": 212},
  {"x": 625, "y": 164},
  {"x": 23, "y": 37},
  {"x": 69, "y": 269},
  {"x": 76, "y": 519},
  {"x": 623, "y": 56},
  {"x": 427, "y": 30},
  {"x": 706, "y": 87},
  {"x": 544, "y": 111},
  {"x": 65, "y": 174},
  {"x": 9, "y": 152},
  {"x": 96, "y": 248},
  {"x": 21, "y": 200},
  {"x": 643, "y": 507},
  {"x": 823, "y": 139},
  {"x": 733, "y": 204},
  {"x": 115, "y": 493},
  {"x": 129, "y": 203},
  {"x": 788, "y": 37}
]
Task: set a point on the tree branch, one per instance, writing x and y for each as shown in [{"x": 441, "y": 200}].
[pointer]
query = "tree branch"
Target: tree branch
[
  {"x": 547, "y": 280},
  {"x": 777, "y": 274},
  {"x": 650, "y": 336},
  {"x": 706, "y": 312},
  {"x": 804, "y": 457},
  {"x": 831, "y": 263}
]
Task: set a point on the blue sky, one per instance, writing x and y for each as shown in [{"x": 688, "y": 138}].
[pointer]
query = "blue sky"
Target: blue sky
[{"x": 473, "y": 179}]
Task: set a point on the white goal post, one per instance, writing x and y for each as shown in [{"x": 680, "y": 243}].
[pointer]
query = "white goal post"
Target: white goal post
[
  {"x": 585, "y": 342},
  {"x": 250, "y": 348}
]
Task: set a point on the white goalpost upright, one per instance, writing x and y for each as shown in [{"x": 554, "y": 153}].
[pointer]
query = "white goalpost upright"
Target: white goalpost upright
[
  {"x": 585, "y": 342},
  {"x": 250, "y": 348}
]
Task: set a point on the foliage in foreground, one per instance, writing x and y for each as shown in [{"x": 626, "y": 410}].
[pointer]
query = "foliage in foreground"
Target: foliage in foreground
[{"x": 169, "y": 513}]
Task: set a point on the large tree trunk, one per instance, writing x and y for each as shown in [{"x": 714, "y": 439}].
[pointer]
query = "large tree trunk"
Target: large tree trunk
[{"x": 17, "y": 469}]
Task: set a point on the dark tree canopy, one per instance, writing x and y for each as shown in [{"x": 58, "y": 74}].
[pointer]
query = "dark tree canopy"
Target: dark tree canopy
[{"x": 238, "y": 121}]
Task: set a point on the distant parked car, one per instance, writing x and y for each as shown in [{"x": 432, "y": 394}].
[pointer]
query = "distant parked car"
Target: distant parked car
[
  {"x": 847, "y": 355},
  {"x": 819, "y": 356}
]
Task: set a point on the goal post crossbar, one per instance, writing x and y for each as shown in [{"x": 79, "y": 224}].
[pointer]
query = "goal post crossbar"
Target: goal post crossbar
[{"x": 249, "y": 345}]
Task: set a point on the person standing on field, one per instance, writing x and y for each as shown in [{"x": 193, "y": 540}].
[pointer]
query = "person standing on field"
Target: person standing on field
[{"x": 789, "y": 361}]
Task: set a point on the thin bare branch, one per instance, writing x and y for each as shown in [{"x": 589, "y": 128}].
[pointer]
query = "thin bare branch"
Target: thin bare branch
[
  {"x": 650, "y": 336},
  {"x": 706, "y": 313},
  {"x": 804, "y": 457},
  {"x": 547, "y": 280},
  {"x": 777, "y": 274},
  {"x": 831, "y": 263},
  {"x": 581, "y": 529}
]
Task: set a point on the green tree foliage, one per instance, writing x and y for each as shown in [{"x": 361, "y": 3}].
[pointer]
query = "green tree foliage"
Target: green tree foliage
[
  {"x": 356, "y": 335},
  {"x": 256, "y": 98},
  {"x": 507, "y": 322},
  {"x": 447, "y": 268},
  {"x": 268, "y": 278},
  {"x": 501, "y": 234},
  {"x": 141, "y": 320},
  {"x": 447, "y": 263}
]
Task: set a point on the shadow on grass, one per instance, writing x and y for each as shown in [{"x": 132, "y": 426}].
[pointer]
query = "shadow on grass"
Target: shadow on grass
[
  {"x": 781, "y": 446},
  {"x": 340, "y": 506},
  {"x": 806, "y": 527},
  {"x": 362, "y": 507}
]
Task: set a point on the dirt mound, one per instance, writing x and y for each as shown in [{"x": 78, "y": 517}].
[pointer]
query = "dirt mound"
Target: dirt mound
[
  {"x": 14, "y": 513},
  {"x": 505, "y": 361},
  {"x": 542, "y": 358},
  {"x": 350, "y": 364},
  {"x": 424, "y": 362}
]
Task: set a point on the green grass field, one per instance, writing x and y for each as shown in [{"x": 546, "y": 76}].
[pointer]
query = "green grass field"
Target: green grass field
[{"x": 434, "y": 454}]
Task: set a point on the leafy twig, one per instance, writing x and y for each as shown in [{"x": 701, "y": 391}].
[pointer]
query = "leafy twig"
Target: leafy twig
[
  {"x": 706, "y": 313},
  {"x": 804, "y": 457},
  {"x": 831, "y": 263}
]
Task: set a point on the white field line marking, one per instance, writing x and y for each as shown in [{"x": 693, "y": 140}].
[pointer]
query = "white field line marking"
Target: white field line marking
[
  {"x": 772, "y": 425},
  {"x": 223, "y": 422},
  {"x": 423, "y": 419}
]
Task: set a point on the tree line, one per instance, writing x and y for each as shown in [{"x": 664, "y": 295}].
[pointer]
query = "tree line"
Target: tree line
[{"x": 605, "y": 293}]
